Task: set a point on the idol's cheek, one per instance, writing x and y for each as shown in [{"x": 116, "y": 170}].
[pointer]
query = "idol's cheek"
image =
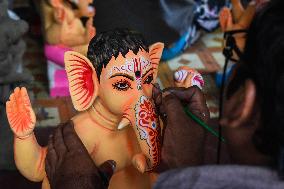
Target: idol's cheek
[{"x": 115, "y": 100}]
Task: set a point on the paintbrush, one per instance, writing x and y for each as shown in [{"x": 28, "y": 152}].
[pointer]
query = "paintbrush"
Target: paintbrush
[{"x": 197, "y": 120}]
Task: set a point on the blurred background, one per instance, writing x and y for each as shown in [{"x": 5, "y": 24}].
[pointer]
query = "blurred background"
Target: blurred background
[{"x": 189, "y": 29}]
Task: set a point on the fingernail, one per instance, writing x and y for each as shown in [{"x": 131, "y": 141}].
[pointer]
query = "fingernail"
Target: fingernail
[{"x": 106, "y": 170}]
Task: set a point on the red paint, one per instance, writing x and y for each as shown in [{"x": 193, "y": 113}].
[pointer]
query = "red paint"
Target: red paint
[
  {"x": 199, "y": 79},
  {"x": 147, "y": 117},
  {"x": 41, "y": 160},
  {"x": 95, "y": 150},
  {"x": 155, "y": 49},
  {"x": 20, "y": 121},
  {"x": 83, "y": 81},
  {"x": 137, "y": 66}
]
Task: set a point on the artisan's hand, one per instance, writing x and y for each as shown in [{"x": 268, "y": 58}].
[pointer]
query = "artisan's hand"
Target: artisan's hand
[
  {"x": 176, "y": 98},
  {"x": 68, "y": 164},
  {"x": 183, "y": 140}
]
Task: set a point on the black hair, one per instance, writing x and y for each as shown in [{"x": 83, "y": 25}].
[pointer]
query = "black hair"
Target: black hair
[
  {"x": 107, "y": 44},
  {"x": 263, "y": 62}
]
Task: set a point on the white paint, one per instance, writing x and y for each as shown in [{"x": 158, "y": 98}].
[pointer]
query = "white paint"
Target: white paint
[
  {"x": 180, "y": 75},
  {"x": 128, "y": 66}
]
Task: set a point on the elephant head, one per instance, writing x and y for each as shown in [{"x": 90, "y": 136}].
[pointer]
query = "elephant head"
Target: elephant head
[{"x": 119, "y": 71}]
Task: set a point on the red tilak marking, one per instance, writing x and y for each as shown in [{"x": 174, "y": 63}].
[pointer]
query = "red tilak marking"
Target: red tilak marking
[{"x": 137, "y": 65}]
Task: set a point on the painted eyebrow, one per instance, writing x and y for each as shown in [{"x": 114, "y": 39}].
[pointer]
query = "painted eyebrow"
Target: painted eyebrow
[
  {"x": 147, "y": 72},
  {"x": 123, "y": 75}
]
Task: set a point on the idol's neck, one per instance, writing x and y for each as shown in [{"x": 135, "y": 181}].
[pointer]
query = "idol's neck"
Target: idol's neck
[{"x": 101, "y": 116}]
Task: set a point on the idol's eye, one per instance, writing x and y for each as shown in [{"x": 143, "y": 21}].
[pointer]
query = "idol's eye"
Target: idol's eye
[
  {"x": 149, "y": 79},
  {"x": 122, "y": 85}
]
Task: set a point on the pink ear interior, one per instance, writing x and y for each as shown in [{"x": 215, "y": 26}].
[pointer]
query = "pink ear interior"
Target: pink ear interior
[{"x": 80, "y": 75}]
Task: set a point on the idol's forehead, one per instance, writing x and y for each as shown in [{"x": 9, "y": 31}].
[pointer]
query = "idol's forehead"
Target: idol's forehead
[
  {"x": 142, "y": 54},
  {"x": 128, "y": 64}
]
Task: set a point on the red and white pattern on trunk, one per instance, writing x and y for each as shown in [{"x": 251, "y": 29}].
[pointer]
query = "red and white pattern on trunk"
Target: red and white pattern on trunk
[
  {"x": 138, "y": 72},
  {"x": 149, "y": 129}
]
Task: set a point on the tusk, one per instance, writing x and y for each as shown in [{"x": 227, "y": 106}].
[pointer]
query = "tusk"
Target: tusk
[
  {"x": 139, "y": 162},
  {"x": 123, "y": 123}
]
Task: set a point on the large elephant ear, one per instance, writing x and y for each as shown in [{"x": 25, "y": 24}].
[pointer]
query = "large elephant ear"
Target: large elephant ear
[
  {"x": 155, "y": 52},
  {"x": 83, "y": 81}
]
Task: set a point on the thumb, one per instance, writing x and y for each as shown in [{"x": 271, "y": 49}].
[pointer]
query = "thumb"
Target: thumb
[{"x": 106, "y": 171}]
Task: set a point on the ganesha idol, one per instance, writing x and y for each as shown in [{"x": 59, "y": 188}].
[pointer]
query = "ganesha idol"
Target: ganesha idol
[
  {"x": 68, "y": 25},
  {"x": 112, "y": 89}
]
